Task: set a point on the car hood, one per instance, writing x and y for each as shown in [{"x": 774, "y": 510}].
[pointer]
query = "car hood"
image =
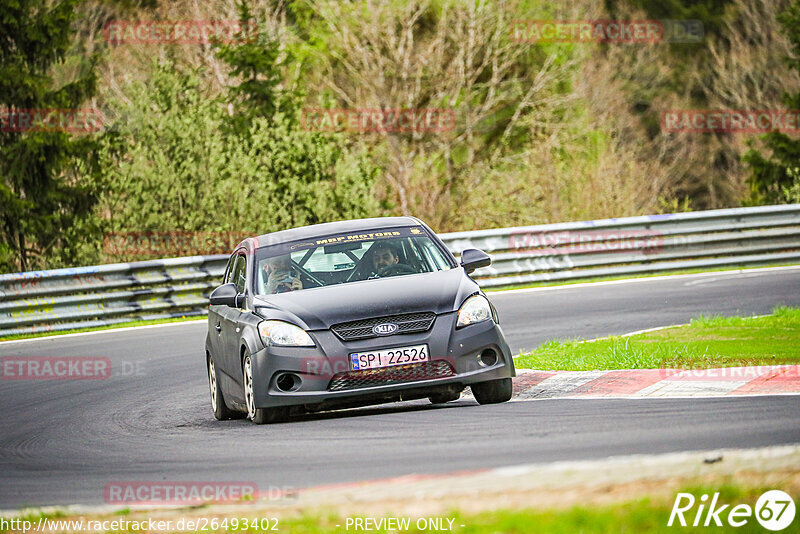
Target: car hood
[{"x": 319, "y": 308}]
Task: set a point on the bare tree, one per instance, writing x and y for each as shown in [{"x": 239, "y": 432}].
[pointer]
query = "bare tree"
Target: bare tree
[
  {"x": 457, "y": 56},
  {"x": 747, "y": 66}
]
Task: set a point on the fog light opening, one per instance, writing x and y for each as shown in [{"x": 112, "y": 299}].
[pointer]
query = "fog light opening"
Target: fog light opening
[
  {"x": 487, "y": 358},
  {"x": 288, "y": 382}
]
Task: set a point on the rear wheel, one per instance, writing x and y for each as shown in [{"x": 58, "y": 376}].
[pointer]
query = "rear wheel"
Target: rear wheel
[
  {"x": 221, "y": 411},
  {"x": 259, "y": 416},
  {"x": 493, "y": 391}
]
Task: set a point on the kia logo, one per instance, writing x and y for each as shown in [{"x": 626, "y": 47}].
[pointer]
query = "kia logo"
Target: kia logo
[{"x": 384, "y": 329}]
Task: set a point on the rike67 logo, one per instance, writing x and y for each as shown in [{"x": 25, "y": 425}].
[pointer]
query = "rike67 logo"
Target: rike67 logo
[{"x": 774, "y": 510}]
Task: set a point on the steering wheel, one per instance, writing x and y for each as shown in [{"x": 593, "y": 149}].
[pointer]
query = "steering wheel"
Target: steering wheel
[
  {"x": 395, "y": 270},
  {"x": 301, "y": 272}
]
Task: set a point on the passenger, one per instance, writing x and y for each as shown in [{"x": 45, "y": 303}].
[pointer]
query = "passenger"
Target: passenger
[{"x": 280, "y": 276}]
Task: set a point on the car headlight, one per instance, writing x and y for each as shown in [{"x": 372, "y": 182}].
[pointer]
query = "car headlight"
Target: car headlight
[
  {"x": 281, "y": 333},
  {"x": 474, "y": 310}
]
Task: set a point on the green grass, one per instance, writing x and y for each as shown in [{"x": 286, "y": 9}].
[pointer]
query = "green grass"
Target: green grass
[
  {"x": 640, "y": 515},
  {"x": 551, "y": 283},
  {"x": 705, "y": 343},
  {"x": 631, "y": 517},
  {"x": 100, "y": 328}
]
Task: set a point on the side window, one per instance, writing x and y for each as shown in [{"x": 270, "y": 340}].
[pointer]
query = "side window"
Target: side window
[
  {"x": 239, "y": 274},
  {"x": 434, "y": 256},
  {"x": 226, "y": 278}
]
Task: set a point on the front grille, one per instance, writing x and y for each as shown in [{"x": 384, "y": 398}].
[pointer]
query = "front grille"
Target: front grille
[
  {"x": 406, "y": 324},
  {"x": 386, "y": 376}
]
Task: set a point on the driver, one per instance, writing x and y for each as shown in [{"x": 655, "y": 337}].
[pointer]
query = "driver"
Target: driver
[
  {"x": 280, "y": 275},
  {"x": 384, "y": 255}
]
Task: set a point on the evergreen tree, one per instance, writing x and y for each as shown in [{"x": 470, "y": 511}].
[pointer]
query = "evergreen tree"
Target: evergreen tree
[
  {"x": 775, "y": 178},
  {"x": 41, "y": 201}
]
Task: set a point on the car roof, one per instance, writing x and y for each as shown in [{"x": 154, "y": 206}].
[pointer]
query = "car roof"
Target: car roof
[{"x": 315, "y": 230}]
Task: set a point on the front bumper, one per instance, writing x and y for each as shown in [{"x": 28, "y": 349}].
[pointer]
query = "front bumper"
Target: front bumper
[{"x": 316, "y": 366}]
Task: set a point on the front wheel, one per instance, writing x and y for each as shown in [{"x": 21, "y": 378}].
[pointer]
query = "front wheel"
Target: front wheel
[
  {"x": 221, "y": 411},
  {"x": 259, "y": 416},
  {"x": 493, "y": 391}
]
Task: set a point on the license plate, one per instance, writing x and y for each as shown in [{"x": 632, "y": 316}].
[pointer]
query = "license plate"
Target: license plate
[{"x": 388, "y": 357}]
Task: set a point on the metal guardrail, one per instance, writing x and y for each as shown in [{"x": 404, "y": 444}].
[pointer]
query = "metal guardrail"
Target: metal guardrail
[{"x": 63, "y": 299}]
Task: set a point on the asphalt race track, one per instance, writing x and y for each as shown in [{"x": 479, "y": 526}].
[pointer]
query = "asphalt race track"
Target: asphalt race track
[{"x": 61, "y": 442}]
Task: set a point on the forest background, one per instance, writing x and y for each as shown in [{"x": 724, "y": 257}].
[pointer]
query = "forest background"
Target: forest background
[{"x": 219, "y": 139}]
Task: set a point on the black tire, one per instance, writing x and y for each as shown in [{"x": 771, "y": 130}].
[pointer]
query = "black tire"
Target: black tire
[
  {"x": 260, "y": 416},
  {"x": 264, "y": 416},
  {"x": 221, "y": 411},
  {"x": 493, "y": 391},
  {"x": 441, "y": 398}
]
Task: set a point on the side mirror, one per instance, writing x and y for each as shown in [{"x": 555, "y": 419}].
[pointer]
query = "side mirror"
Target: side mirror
[
  {"x": 472, "y": 259},
  {"x": 225, "y": 295}
]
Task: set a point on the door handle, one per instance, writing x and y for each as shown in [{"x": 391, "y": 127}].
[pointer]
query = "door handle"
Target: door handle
[{"x": 218, "y": 328}]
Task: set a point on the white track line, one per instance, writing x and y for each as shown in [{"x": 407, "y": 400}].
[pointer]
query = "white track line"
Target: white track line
[
  {"x": 755, "y": 271},
  {"x": 654, "y": 398},
  {"x": 647, "y": 330},
  {"x": 106, "y": 331}
]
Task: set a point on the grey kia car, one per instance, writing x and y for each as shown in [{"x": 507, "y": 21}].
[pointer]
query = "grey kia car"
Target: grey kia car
[{"x": 348, "y": 314}]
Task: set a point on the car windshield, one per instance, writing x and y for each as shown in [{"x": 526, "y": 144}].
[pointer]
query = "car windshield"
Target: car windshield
[{"x": 343, "y": 258}]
